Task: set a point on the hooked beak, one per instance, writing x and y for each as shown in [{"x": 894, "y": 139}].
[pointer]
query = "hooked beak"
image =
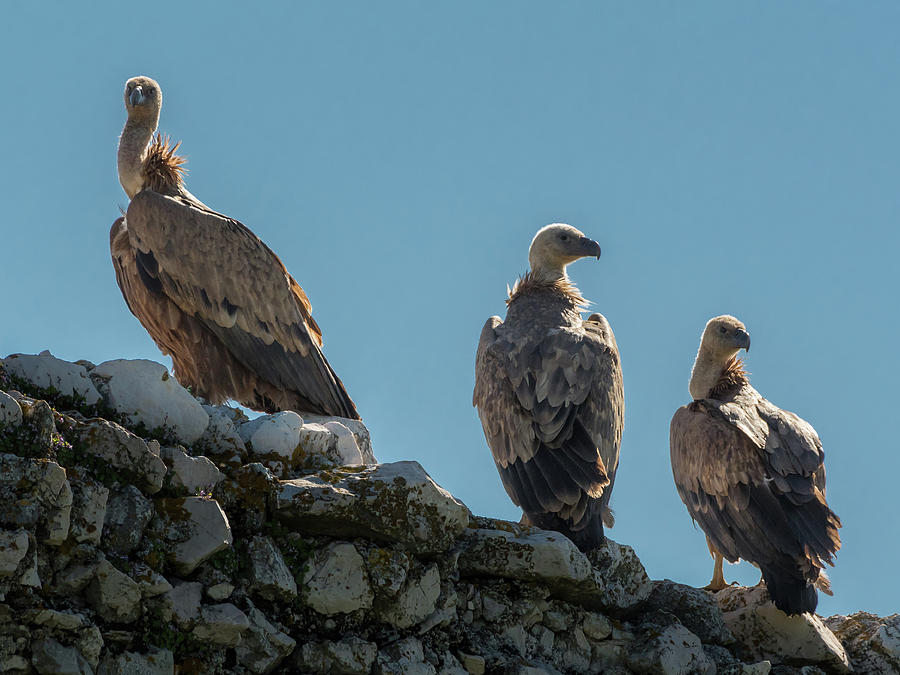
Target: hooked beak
[
  {"x": 136, "y": 97},
  {"x": 742, "y": 339},
  {"x": 590, "y": 248}
]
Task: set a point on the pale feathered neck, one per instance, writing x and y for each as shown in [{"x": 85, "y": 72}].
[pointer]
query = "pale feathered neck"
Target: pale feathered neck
[
  {"x": 532, "y": 282},
  {"x": 710, "y": 378}
]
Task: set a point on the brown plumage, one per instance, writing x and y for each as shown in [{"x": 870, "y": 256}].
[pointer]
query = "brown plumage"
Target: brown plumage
[
  {"x": 548, "y": 388},
  {"x": 209, "y": 291},
  {"x": 753, "y": 475}
]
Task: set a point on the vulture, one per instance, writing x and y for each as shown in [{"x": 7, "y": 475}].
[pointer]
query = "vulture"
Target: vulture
[
  {"x": 752, "y": 475},
  {"x": 549, "y": 393},
  {"x": 211, "y": 294}
]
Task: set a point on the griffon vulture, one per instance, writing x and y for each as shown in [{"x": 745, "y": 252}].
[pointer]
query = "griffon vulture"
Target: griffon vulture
[
  {"x": 752, "y": 475},
  {"x": 209, "y": 291},
  {"x": 548, "y": 388}
]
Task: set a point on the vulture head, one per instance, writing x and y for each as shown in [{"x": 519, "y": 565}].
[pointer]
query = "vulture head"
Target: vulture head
[
  {"x": 143, "y": 101},
  {"x": 722, "y": 339},
  {"x": 557, "y": 245}
]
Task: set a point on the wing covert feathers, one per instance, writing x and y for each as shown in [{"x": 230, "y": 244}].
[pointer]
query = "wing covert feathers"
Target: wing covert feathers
[
  {"x": 753, "y": 476},
  {"x": 550, "y": 398},
  {"x": 221, "y": 303}
]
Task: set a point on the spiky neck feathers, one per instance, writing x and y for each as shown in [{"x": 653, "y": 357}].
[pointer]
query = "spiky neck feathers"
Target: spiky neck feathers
[
  {"x": 711, "y": 378},
  {"x": 534, "y": 282}
]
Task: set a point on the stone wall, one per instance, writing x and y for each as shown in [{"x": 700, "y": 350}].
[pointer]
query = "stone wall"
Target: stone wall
[{"x": 142, "y": 531}]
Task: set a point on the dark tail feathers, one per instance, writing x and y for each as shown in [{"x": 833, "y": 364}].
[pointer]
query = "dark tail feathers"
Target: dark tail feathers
[
  {"x": 791, "y": 593},
  {"x": 586, "y": 539}
]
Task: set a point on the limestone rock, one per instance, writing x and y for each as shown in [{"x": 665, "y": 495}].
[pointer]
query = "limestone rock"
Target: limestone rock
[
  {"x": 198, "y": 528},
  {"x": 51, "y": 618},
  {"x": 387, "y": 569},
  {"x": 668, "y": 648},
  {"x": 270, "y": 577},
  {"x": 221, "y": 624},
  {"x": 263, "y": 647},
  {"x": 155, "y": 662},
  {"x": 127, "y": 454},
  {"x": 182, "y": 603},
  {"x": 127, "y": 515},
  {"x": 765, "y": 632},
  {"x": 114, "y": 595},
  {"x": 145, "y": 393},
  {"x": 549, "y": 558},
  {"x": 190, "y": 475},
  {"x": 51, "y": 658},
  {"x": 150, "y": 582},
  {"x": 416, "y": 600},
  {"x": 350, "y": 656},
  {"x": 13, "y": 549},
  {"x": 219, "y": 592},
  {"x": 50, "y": 373},
  {"x": 89, "y": 498},
  {"x": 873, "y": 642},
  {"x": 404, "y": 657},
  {"x": 35, "y": 493},
  {"x": 330, "y": 442},
  {"x": 10, "y": 411},
  {"x": 336, "y": 580},
  {"x": 696, "y": 609},
  {"x": 221, "y": 438},
  {"x": 274, "y": 436},
  {"x": 395, "y": 502},
  {"x": 363, "y": 440}
]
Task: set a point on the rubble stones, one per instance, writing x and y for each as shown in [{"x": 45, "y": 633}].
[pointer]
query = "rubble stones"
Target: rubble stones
[
  {"x": 396, "y": 502},
  {"x": 350, "y": 656},
  {"x": 269, "y": 575},
  {"x": 199, "y": 529},
  {"x": 404, "y": 657},
  {"x": 668, "y": 648},
  {"x": 155, "y": 662},
  {"x": 765, "y": 632},
  {"x": 145, "y": 393},
  {"x": 127, "y": 514},
  {"x": 114, "y": 595},
  {"x": 415, "y": 601},
  {"x": 696, "y": 609},
  {"x": 51, "y": 658},
  {"x": 263, "y": 647},
  {"x": 872, "y": 642},
  {"x": 363, "y": 440},
  {"x": 190, "y": 475},
  {"x": 221, "y": 624},
  {"x": 35, "y": 492},
  {"x": 336, "y": 580},
  {"x": 124, "y": 452},
  {"x": 331, "y": 443},
  {"x": 89, "y": 499},
  {"x": 181, "y": 604},
  {"x": 47, "y": 372},
  {"x": 13, "y": 548}
]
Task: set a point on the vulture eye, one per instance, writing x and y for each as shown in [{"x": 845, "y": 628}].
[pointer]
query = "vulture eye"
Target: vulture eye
[
  {"x": 563, "y": 237},
  {"x": 722, "y": 329}
]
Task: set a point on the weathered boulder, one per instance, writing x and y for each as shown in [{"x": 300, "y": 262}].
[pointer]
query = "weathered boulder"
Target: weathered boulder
[
  {"x": 145, "y": 393},
  {"x": 549, "y": 558},
  {"x": 666, "y": 647},
  {"x": 34, "y": 493},
  {"x": 136, "y": 460},
  {"x": 51, "y": 658},
  {"x": 763, "y": 631},
  {"x": 127, "y": 514},
  {"x": 275, "y": 436},
  {"x": 221, "y": 624},
  {"x": 53, "y": 375},
  {"x": 270, "y": 577},
  {"x": 221, "y": 439},
  {"x": 263, "y": 647},
  {"x": 415, "y": 601},
  {"x": 198, "y": 529},
  {"x": 696, "y": 609},
  {"x": 155, "y": 662},
  {"x": 349, "y": 656},
  {"x": 363, "y": 440},
  {"x": 404, "y": 657},
  {"x": 13, "y": 549},
  {"x": 114, "y": 595},
  {"x": 395, "y": 502},
  {"x": 336, "y": 580},
  {"x": 190, "y": 475},
  {"x": 330, "y": 442},
  {"x": 181, "y": 603},
  {"x": 89, "y": 498},
  {"x": 872, "y": 642},
  {"x": 10, "y": 411}
]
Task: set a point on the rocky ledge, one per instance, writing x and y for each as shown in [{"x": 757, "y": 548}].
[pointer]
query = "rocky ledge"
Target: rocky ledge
[{"x": 143, "y": 531}]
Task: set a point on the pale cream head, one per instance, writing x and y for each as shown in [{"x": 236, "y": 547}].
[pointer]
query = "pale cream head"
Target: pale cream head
[
  {"x": 143, "y": 101},
  {"x": 558, "y": 245},
  {"x": 723, "y": 337}
]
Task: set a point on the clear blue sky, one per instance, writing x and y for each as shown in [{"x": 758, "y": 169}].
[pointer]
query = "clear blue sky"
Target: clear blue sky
[{"x": 734, "y": 158}]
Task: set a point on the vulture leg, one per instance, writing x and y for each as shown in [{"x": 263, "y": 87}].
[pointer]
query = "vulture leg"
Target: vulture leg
[{"x": 718, "y": 579}]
